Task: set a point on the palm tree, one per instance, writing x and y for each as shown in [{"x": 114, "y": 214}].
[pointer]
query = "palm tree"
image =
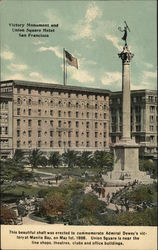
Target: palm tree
[
  {"x": 103, "y": 159},
  {"x": 35, "y": 158},
  {"x": 55, "y": 159},
  {"x": 70, "y": 158},
  {"x": 18, "y": 158},
  {"x": 85, "y": 159}
]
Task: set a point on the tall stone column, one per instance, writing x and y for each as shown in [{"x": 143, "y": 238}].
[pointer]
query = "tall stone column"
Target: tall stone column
[{"x": 126, "y": 57}]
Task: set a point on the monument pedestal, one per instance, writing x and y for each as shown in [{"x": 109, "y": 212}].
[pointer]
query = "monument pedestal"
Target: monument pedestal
[{"x": 126, "y": 164}]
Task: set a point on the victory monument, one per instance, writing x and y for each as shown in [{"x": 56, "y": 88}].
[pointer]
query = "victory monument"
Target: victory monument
[{"x": 126, "y": 151}]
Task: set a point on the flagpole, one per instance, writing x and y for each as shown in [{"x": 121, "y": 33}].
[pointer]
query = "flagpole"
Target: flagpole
[
  {"x": 64, "y": 66},
  {"x": 66, "y": 73}
]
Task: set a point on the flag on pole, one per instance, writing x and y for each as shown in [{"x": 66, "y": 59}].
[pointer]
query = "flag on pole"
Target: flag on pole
[{"x": 71, "y": 60}]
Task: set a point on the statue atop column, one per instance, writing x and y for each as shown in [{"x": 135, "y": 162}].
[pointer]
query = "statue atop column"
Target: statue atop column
[{"x": 125, "y": 32}]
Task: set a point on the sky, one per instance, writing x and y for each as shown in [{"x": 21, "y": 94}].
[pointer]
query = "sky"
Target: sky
[{"x": 88, "y": 30}]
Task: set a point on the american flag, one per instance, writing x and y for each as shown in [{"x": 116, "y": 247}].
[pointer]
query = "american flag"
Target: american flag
[{"x": 71, "y": 60}]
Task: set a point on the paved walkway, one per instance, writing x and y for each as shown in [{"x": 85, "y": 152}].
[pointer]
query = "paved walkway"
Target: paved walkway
[{"x": 28, "y": 221}]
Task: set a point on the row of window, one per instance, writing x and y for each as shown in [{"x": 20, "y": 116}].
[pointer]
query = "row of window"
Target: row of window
[
  {"x": 69, "y": 123},
  {"x": 61, "y": 92},
  {"x": 69, "y": 113},
  {"x": 4, "y": 130},
  {"x": 60, "y": 144},
  {"x": 4, "y": 105}
]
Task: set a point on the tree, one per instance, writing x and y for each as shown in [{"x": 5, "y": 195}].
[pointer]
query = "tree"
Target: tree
[
  {"x": 18, "y": 156},
  {"x": 85, "y": 159},
  {"x": 11, "y": 173},
  {"x": 103, "y": 159},
  {"x": 70, "y": 158},
  {"x": 55, "y": 159},
  {"x": 35, "y": 158}
]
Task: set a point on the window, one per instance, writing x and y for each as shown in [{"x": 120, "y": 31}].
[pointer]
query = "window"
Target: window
[
  {"x": 51, "y": 112},
  {"x": 39, "y": 123},
  {"x": 39, "y": 133},
  {"x": 51, "y": 133},
  {"x": 77, "y": 144},
  {"x": 18, "y": 111},
  {"x": 30, "y": 101},
  {"x": 29, "y": 133},
  {"x": 69, "y": 133},
  {"x": 69, "y": 143},
  {"x": 87, "y": 124},
  {"x": 96, "y": 115},
  {"x": 39, "y": 92},
  {"x": 104, "y": 134},
  {"x": 51, "y": 144},
  {"x": 39, "y": 144},
  {"x": 59, "y": 113},
  {"x": 69, "y": 113},
  {"x": 77, "y": 133},
  {"x": 77, "y": 124},
  {"x": 69, "y": 124},
  {"x": 96, "y": 144},
  {"x": 18, "y": 90},
  {"x": 59, "y": 133},
  {"x": 30, "y": 143},
  {"x": 18, "y": 101},
  {"x": 138, "y": 128},
  {"x": 29, "y": 122},
  {"x": 18, "y": 133},
  {"x": 151, "y": 118},
  {"x": 104, "y": 143},
  {"x": 96, "y": 106},
  {"x": 51, "y": 122},
  {"x": 76, "y": 114},
  {"x": 96, "y": 125},
  {"x": 18, "y": 122},
  {"x": 104, "y": 115},
  {"x": 59, "y": 144},
  {"x": 29, "y": 112},
  {"x": 29, "y": 91},
  {"x": 59, "y": 123},
  {"x": 87, "y": 133},
  {"x": 151, "y": 128},
  {"x": 96, "y": 134},
  {"x": 87, "y": 144},
  {"x": 39, "y": 102},
  {"x": 39, "y": 112},
  {"x": 69, "y": 104},
  {"x": 77, "y": 105},
  {"x": 87, "y": 114},
  {"x": 18, "y": 144},
  {"x": 152, "y": 109},
  {"x": 104, "y": 125}
]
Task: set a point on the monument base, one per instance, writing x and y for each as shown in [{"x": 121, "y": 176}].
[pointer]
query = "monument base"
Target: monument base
[{"x": 126, "y": 165}]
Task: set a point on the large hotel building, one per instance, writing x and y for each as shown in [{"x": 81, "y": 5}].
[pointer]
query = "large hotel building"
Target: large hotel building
[{"x": 54, "y": 117}]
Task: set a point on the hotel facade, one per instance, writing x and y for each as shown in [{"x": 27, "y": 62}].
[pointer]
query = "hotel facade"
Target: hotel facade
[
  {"x": 144, "y": 118},
  {"x": 53, "y": 117}
]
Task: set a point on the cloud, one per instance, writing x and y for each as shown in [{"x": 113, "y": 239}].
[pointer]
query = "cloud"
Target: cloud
[
  {"x": 15, "y": 76},
  {"x": 82, "y": 76},
  {"x": 92, "y": 13},
  {"x": 55, "y": 50},
  {"x": 114, "y": 40},
  {"x": 38, "y": 42},
  {"x": 7, "y": 55},
  {"x": 32, "y": 76},
  {"x": 84, "y": 29},
  {"x": 36, "y": 76},
  {"x": 111, "y": 78},
  {"x": 52, "y": 17},
  {"x": 149, "y": 74},
  {"x": 148, "y": 65},
  {"x": 17, "y": 67}
]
